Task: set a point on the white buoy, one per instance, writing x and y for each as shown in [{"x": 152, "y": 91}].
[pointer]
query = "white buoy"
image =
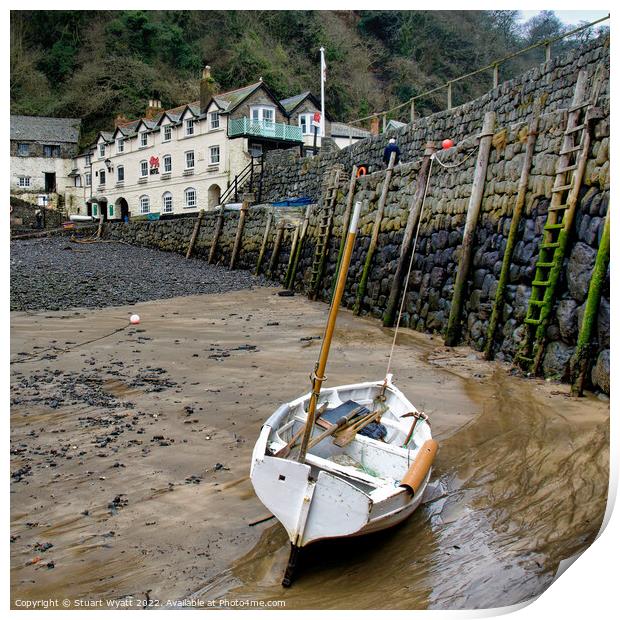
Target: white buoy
[{"x": 134, "y": 319}]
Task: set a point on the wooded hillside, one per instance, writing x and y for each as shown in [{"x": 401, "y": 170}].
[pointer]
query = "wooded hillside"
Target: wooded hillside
[{"x": 97, "y": 64}]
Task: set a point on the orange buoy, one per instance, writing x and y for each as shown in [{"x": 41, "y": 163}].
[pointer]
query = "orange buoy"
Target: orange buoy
[{"x": 447, "y": 144}]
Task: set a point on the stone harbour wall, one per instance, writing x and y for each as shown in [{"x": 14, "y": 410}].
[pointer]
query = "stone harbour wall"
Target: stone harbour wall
[{"x": 429, "y": 292}]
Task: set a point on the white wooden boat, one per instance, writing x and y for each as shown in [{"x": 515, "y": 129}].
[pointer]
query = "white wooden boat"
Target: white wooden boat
[
  {"x": 341, "y": 482},
  {"x": 75, "y": 217},
  {"x": 360, "y": 488}
]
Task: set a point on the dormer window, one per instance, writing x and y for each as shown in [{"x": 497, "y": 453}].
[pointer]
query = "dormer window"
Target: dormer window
[
  {"x": 167, "y": 133},
  {"x": 102, "y": 149},
  {"x": 120, "y": 145},
  {"x": 214, "y": 120},
  {"x": 144, "y": 138},
  {"x": 189, "y": 127}
]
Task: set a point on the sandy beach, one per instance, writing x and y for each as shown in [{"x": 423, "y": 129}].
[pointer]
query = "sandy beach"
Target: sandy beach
[{"x": 130, "y": 457}]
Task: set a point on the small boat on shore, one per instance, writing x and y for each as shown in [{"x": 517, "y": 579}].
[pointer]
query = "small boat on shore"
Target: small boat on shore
[
  {"x": 342, "y": 461},
  {"x": 76, "y": 217}
]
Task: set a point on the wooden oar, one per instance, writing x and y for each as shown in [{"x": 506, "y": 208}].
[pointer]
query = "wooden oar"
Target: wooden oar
[
  {"x": 347, "y": 435},
  {"x": 339, "y": 424},
  {"x": 286, "y": 450}
]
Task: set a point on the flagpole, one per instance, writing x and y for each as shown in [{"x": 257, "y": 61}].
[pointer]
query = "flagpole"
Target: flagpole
[{"x": 322, "y": 92}]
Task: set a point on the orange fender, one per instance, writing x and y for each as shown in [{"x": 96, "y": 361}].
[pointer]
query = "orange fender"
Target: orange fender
[{"x": 420, "y": 466}]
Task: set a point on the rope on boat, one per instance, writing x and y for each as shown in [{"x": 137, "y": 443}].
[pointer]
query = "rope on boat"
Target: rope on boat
[{"x": 434, "y": 158}]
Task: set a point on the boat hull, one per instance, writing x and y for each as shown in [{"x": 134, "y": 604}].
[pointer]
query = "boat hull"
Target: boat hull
[{"x": 320, "y": 499}]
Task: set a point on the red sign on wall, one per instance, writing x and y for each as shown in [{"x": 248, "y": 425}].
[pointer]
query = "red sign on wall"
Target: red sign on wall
[{"x": 154, "y": 164}]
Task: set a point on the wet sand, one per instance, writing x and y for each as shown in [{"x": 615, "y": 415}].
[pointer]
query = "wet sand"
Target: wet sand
[{"x": 130, "y": 456}]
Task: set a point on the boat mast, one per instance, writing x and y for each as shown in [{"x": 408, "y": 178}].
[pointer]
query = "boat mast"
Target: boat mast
[{"x": 318, "y": 376}]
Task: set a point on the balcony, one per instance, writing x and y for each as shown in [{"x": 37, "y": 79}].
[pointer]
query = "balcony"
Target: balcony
[{"x": 238, "y": 127}]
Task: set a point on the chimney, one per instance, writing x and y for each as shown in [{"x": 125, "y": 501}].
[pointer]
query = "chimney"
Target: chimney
[
  {"x": 154, "y": 107},
  {"x": 120, "y": 119},
  {"x": 207, "y": 88},
  {"x": 374, "y": 125}
]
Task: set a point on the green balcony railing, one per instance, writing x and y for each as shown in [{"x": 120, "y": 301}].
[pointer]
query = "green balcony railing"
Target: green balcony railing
[{"x": 263, "y": 129}]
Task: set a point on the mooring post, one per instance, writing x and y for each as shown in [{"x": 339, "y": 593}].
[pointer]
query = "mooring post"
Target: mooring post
[
  {"x": 473, "y": 209},
  {"x": 361, "y": 289},
  {"x": 263, "y": 246},
  {"x": 219, "y": 224},
  {"x": 405, "y": 246},
  {"x": 304, "y": 229},
  {"x": 580, "y": 361},
  {"x": 192, "y": 240},
  {"x": 345, "y": 222},
  {"x": 291, "y": 257},
  {"x": 498, "y": 304},
  {"x": 238, "y": 237},
  {"x": 276, "y": 249}
]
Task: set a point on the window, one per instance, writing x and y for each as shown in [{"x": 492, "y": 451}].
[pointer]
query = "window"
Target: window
[
  {"x": 167, "y": 133},
  {"x": 166, "y": 202},
  {"x": 214, "y": 120},
  {"x": 87, "y": 179},
  {"x": 263, "y": 114},
  {"x": 120, "y": 173},
  {"x": 51, "y": 150},
  {"x": 87, "y": 160},
  {"x": 77, "y": 181},
  {"x": 144, "y": 138},
  {"x": 305, "y": 122},
  {"x": 102, "y": 177},
  {"x": 145, "y": 204},
  {"x": 144, "y": 168},
  {"x": 23, "y": 181},
  {"x": 214, "y": 154},
  {"x": 102, "y": 149},
  {"x": 167, "y": 163},
  {"x": 189, "y": 127},
  {"x": 23, "y": 150},
  {"x": 189, "y": 160},
  {"x": 190, "y": 198},
  {"x": 120, "y": 145}
]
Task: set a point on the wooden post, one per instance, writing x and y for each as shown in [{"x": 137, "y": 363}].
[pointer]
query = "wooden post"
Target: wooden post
[
  {"x": 412, "y": 111},
  {"x": 276, "y": 249},
  {"x": 547, "y": 52},
  {"x": 580, "y": 361},
  {"x": 495, "y": 75},
  {"x": 350, "y": 136},
  {"x": 361, "y": 289},
  {"x": 345, "y": 221},
  {"x": 473, "y": 209},
  {"x": 405, "y": 247},
  {"x": 219, "y": 224},
  {"x": 449, "y": 95},
  {"x": 263, "y": 246},
  {"x": 304, "y": 229},
  {"x": 238, "y": 237},
  {"x": 291, "y": 257},
  {"x": 384, "y": 124},
  {"x": 498, "y": 304},
  {"x": 192, "y": 240}
]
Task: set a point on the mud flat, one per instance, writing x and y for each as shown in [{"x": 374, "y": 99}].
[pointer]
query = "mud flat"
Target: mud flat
[{"x": 130, "y": 457}]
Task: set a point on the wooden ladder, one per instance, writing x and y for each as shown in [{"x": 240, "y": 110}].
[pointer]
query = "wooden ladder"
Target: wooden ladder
[
  {"x": 569, "y": 174},
  {"x": 325, "y": 222}
]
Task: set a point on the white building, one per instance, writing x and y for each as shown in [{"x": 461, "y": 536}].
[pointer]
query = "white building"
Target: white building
[{"x": 191, "y": 157}]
